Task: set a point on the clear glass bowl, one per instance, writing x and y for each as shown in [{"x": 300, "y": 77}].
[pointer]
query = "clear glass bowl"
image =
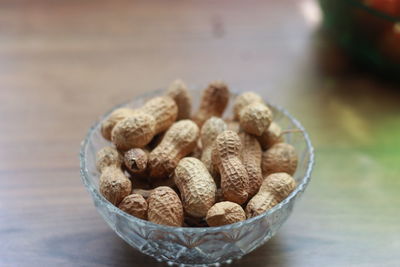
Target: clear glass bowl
[{"x": 196, "y": 246}]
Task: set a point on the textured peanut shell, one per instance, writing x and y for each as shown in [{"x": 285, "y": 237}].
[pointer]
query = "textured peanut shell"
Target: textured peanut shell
[
  {"x": 135, "y": 160},
  {"x": 243, "y": 100},
  {"x": 213, "y": 102},
  {"x": 279, "y": 184},
  {"x": 271, "y": 136},
  {"x": 134, "y": 205},
  {"x": 135, "y": 131},
  {"x": 224, "y": 213},
  {"x": 179, "y": 141},
  {"x": 255, "y": 118},
  {"x": 165, "y": 207},
  {"x": 179, "y": 93},
  {"x": 115, "y": 117},
  {"x": 260, "y": 203},
  {"x": 280, "y": 157},
  {"x": 114, "y": 185},
  {"x": 252, "y": 161},
  {"x": 234, "y": 177},
  {"x": 196, "y": 186},
  {"x": 209, "y": 132},
  {"x": 108, "y": 156},
  {"x": 164, "y": 111}
]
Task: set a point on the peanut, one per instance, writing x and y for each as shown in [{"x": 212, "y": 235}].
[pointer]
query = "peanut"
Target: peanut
[
  {"x": 165, "y": 207},
  {"x": 196, "y": 186},
  {"x": 106, "y": 157},
  {"x": 225, "y": 212},
  {"x": 209, "y": 132},
  {"x": 137, "y": 130},
  {"x": 179, "y": 141},
  {"x": 243, "y": 100},
  {"x": 234, "y": 177},
  {"x": 213, "y": 103},
  {"x": 114, "y": 185},
  {"x": 116, "y": 116},
  {"x": 274, "y": 189},
  {"x": 135, "y": 205},
  {"x": 280, "y": 157},
  {"x": 255, "y": 118},
  {"x": 179, "y": 93},
  {"x": 252, "y": 161},
  {"x": 271, "y": 136},
  {"x": 135, "y": 160},
  {"x": 280, "y": 184},
  {"x": 134, "y": 131}
]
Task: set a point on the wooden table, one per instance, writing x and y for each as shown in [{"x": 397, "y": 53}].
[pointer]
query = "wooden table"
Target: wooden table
[{"x": 64, "y": 63}]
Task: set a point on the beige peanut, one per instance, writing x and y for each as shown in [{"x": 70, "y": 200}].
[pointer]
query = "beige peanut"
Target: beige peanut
[
  {"x": 179, "y": 93},
  {"x": 178, "y": 141},
  {"x": 135, "y": 205},
  {"x": 271, "y": 136},
  {"x": 115, "y": 117},
  {"x": 137, "y": 130},
  {"x": 225, "y": 212},
  {"x": 281, "y": 157},
  {"x": 274, "y": 189},
  {"x": 165, "y": 207},
  {"x": 196, "y": 186},
  {"x": 106, "y": 157},
  {"x": 114, "y": 185},
  {"x": 135, "y": 160},
  {"x": 252, "y": 161},
  {"x": 213, "y": 102},
  {"x": 244, "y": 100},
  {"x": 255, "y": 118},
  {"x": 209, "y": 132},
  {"x": 234, "y": 177}
]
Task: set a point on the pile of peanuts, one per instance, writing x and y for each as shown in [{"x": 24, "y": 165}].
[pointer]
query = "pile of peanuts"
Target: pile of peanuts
[{"x": 170, "y": 167}]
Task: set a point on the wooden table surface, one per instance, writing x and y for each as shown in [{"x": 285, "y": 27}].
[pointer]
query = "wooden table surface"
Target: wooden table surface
[{"x": 64, "y": 63}]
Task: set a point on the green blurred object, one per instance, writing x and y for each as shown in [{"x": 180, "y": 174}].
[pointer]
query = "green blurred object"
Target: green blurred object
[{"x": 367, "y": 34}]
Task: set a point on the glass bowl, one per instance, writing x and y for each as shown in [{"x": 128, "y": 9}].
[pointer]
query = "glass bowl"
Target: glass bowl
[
  {"x": 368, "y": 29},
  {"x": 189, "y": 245}
]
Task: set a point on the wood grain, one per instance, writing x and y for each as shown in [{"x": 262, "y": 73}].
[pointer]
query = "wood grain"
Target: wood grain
[{"x": 64, "y": 63}]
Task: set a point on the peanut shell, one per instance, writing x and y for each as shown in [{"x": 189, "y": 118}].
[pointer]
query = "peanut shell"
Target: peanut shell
[
  {"x": 243, "y": 100},
  {"x": 196, "y": 186},
  {"x": 271, "y": 136},
  {"x": 213, "y": 102},
  {"x": 134, "y": 205},
  {"x": 252, "y": 161},
  {"x": 165, "y": 207},
  {"x": 135, "y": 160},
  {"x": 135, "y": 131},
  {"x": 115, "y": 117},
  {"x": 255, "y": 118},
  {"x": 106, "y": 157},
  {"x": 114, "y": 185},
  {"x": 224, "y": 213},
  {"x": 234, "y": 177},
  {"x": 280, "y": 157},
  {"x": 179, "y": 141},
  {"x": 179, "y": 93}
]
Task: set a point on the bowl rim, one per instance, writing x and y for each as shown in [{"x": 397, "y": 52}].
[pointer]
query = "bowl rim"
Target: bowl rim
[{"x": 84, "y": 173}]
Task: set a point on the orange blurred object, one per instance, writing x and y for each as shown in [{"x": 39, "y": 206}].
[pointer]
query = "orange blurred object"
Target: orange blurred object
[
  {"x": 391, "y": 43},
  {"x": 390, "y": 7}
]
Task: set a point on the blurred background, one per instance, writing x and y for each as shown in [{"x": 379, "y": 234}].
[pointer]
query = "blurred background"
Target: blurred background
[{"x": 65, "y": 63}]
